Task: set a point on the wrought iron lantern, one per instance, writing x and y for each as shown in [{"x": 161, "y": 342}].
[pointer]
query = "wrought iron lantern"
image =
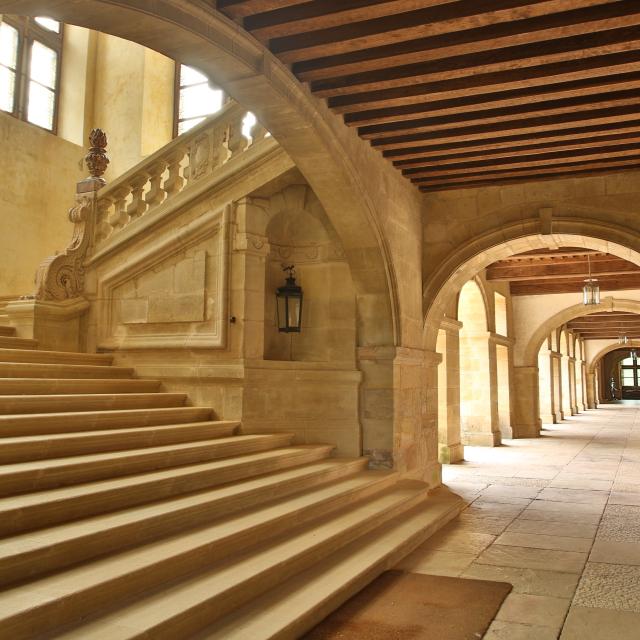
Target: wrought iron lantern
[
  {"x": 591, "y": 288},
  {"x": 289, "y": 303}
]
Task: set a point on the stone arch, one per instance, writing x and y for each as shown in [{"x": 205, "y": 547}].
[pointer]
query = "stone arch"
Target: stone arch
[
  {"x": 472, "y": 257},
  {"x": 564, "y": 316},
  {"x": 593, "y": 363},
  {"x": 474, "y": 294},
  {"x": 315, "y": 138}
]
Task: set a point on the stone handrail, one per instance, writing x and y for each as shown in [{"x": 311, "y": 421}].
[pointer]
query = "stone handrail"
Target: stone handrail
[{"x": 173, "y": 169}]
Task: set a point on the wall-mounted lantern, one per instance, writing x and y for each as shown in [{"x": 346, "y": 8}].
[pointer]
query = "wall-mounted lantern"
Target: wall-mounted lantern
[{"x": 289, "y": 303}]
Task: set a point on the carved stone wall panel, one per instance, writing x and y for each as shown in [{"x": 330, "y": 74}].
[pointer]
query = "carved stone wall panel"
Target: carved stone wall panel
[{"x": 175, "y": 295}]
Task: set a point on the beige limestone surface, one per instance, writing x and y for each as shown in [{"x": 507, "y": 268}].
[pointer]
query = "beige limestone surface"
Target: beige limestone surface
[{"x": 545, "y": 515}]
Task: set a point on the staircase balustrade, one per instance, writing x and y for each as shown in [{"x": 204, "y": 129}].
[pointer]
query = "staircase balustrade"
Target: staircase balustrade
[
  {"x": 101, "y": 212},
  {"x": 172, "y": 170}
]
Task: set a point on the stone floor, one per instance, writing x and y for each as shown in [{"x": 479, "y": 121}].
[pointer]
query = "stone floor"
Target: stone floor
[{"x": 559, "y": 518}]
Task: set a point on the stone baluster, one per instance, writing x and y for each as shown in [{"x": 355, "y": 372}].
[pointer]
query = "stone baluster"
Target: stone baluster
[
  {"x": 103, "y": 228},
  {"x": 119, "y": 217},
  {"x": 174, "y": 182},
  {"x": 235, "y": 142},
  {"x": 156, "y": 193},
  {"x": 258, "y": 132},
  {"x": 138, "y": 205}
]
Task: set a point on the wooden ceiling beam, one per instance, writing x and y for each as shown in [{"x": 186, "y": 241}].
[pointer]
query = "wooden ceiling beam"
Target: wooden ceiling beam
[
  {"x": 532, "y": 176},
  {"x": 603, "y": 118},
  {"x": 559, "y": 169},
  {"x": 575, "y": 105},
  {"x": 568, "y": 271},
  {"x": 489, "y": 61},
  {"x": 481, "y": 83},
  {"x": 577, "y": 21},
  {"x": 518, "y": 142},
  {"x": 427, "y": 22},
  {"x": 548, "y": 160},
  {"x": 327, "y": 14},
  {"x": 238, "y": 9},
  {"x": 503, "y": 156},
  {"x": 437, "y": 106}
]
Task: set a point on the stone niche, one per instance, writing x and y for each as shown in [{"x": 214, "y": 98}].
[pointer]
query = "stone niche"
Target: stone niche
[
  {"x": 300, "y": 233},
  {"x": 306, "y": 383},
  {"x": 173, "y": 296}
]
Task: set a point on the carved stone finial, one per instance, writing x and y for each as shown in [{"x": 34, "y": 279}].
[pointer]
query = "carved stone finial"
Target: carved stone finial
[{"x": 97, "y": 160}]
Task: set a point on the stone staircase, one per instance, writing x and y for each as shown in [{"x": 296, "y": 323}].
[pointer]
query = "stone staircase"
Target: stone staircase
[{"x": 126, "y": 513}]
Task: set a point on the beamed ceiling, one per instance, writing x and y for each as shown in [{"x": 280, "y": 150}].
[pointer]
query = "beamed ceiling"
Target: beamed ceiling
[
  {"x": 469, "y": 92},
  {"x": 607, "y": 325},
  {"x": 563, "y": 271}
]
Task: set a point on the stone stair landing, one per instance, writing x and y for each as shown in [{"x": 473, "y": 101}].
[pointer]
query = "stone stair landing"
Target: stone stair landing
[{"x": 127, "y": 513}]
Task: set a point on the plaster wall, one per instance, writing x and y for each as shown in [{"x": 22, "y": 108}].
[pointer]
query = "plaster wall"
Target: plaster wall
[{"x": 39, "y": 172}]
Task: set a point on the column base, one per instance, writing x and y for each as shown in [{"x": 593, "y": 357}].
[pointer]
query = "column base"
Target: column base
[
  {"x": 547, "y": 418},
  {"x": 482, "y": 439},
  {"x": 526, "y": 431},
  {"x": 450, "y": 453}
]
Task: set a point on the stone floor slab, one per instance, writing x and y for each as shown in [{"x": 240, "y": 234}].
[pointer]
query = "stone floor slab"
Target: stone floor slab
[
  {"x": 528, "y": 558},
  {"x": 543, "y": 541},
  {"x": 542, "y": 611},
  {"x": 600, "y": 624},
  {"x": 531, "y": 581},
  {"x": 500, "y": 630},
  {"x": 567, "y": 529},
  {"x": 609, "y": 586}
]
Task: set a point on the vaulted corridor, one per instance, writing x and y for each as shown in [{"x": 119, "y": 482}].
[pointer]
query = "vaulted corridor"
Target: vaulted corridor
[{"x": 559, "y": 518}]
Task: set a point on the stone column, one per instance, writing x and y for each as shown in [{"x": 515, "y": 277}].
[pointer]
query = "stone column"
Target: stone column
[
  {"x": 573, "y": 392},
  {"x": 592, "y": 396},
  {"x": 582, "y": 399},
  {"x": 556, "y": 386},
  {"x": 546, "y": 384},
  {"x": 566, "y": 387},
  {"x": 478, "y": 390},
  {"x": 526, "y": 422},
  {"x": 450, "y": 448},
  {"x": 502, "y": 347},
  {"x": 247, "y": 291}
]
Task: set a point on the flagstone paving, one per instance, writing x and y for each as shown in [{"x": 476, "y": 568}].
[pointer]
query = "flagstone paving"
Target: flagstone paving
[{"x": 559, "y": 518}]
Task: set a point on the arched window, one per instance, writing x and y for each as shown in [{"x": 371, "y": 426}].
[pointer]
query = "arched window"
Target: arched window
[
  {"x": 196, "y": 98},
  {"x": 30, "y": 52}
]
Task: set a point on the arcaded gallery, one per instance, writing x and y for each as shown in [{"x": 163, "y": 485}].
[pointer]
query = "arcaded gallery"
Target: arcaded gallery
[{"x": 320, "y": 319}]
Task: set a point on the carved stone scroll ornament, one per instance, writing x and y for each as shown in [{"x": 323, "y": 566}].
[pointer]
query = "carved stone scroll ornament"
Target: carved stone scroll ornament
[{"x": 61, "y": 277}]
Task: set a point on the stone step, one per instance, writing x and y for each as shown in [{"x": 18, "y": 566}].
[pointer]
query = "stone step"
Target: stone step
[
  {"x": 54, "y": 357},
  {"x": 223, "y": 581},
  {"x": 72, "y": 422},
  {"x": 74, "y": 444},
  {"x": 38, "y": 370},
  {"x": 48, "y": 474},
  {"x": 48, "y": 386},
  {"x": 303, "y": 601},
  {"x": 12, "y": 343},
  {"x": 33, "y": 554},
  {"x": 46, "y": 508},
  {"x": 39, "y": 404}
]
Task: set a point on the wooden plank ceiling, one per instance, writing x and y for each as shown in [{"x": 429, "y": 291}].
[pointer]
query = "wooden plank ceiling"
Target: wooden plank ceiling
[
  {"x": 469, "y": 92},
  {"x": 607, "y": 326},
  {"x": 563, "y": 271}
]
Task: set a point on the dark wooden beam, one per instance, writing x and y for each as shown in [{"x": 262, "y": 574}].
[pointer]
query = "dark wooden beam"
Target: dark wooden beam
[
  {"x": 427, "y": 22},
  {"x": 499, "y": 156},
  {"x": 574, "y": 105},
  {"x": 489, "y": 61},
  {"x": 577, "y": 21},
  {"x": 481, "y": 83},
  {"x": 241, "y": 8},
  {"x": 327, "y": 14},
  {"x": 438, "y": 106}
]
